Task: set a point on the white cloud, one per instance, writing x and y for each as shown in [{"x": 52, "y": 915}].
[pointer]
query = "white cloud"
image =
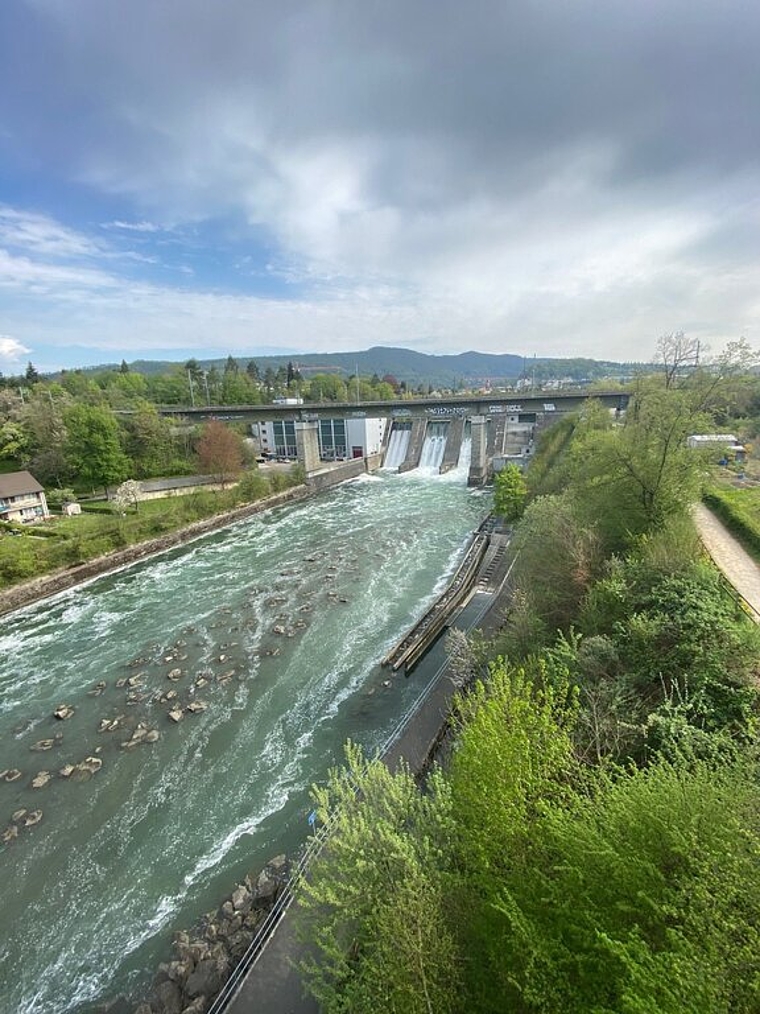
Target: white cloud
[
  {"x": 132, "y": 226},
  {"x": 12, "y": 351},
  {"x": 42, "y": 235},
  {"x": 531, "y": 177}
]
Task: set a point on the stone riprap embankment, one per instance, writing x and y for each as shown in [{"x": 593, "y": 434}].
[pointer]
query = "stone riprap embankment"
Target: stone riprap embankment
[{"x": 204, "y": 958}]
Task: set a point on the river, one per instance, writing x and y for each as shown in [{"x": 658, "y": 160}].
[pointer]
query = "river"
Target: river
[{"x": 161, "y": 832}]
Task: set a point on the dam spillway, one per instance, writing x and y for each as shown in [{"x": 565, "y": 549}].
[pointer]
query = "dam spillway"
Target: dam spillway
[{"x": 160, "y": 833}]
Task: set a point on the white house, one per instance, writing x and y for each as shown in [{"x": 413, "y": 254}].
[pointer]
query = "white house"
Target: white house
[{"x": 22, "y": 498}]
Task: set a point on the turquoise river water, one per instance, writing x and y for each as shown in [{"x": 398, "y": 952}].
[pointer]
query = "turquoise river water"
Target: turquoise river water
[{"x": 121, "y": 858}]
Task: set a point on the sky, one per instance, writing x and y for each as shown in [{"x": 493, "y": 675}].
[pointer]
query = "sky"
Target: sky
[{"x": 554, "y": 177}]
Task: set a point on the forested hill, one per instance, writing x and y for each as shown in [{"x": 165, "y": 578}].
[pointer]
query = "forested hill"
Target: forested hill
[{"x": 465, "y": 369}]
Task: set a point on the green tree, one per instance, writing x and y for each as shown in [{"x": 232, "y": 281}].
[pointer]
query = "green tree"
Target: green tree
[
  {"x": 43, "y": 417},
  {"x": 374, "y": 901},
  {"x": 510, "y": 493},
  {"x": 327, "y": 387},
  {"x": 237, "y": 389},
  {"x": 149, "y": 440},
  {"x": 631, "y": 479},
  {"x": 92, "y": 448},
  {"x": 126, "y": 388},
  {"x": 14, "y": 440}
]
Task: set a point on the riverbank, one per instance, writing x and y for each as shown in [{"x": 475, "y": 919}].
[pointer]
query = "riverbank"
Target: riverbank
[
  {"x": 34, "y": 590},
  {"x": 29, "y": 592}
]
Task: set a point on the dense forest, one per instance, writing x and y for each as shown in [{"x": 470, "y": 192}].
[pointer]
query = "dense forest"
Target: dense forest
[{"x": 592, "y": 843}]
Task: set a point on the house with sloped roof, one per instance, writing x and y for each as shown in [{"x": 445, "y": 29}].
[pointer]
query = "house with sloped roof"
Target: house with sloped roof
[{"x": 22, "y": 498}]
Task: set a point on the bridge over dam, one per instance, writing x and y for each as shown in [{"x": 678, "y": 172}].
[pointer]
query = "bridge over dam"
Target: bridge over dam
[{"x": 405, "y": 433}]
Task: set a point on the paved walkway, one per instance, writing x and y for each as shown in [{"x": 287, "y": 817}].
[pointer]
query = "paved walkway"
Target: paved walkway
[{"x": 731, "y": 557}]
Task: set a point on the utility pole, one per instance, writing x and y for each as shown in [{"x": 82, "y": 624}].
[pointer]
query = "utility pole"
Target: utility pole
[
  {"x": 356, "y": 370},
  {"x": 205, "y": 384},
  {"x": 192, "y": 393}
]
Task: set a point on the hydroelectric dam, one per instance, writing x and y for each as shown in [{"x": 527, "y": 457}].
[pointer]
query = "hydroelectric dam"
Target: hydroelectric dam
[{"x": 404, "y": 434}]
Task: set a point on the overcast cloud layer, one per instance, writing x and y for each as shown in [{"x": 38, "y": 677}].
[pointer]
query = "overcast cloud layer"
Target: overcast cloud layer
[{"x": 201, "y": 178}]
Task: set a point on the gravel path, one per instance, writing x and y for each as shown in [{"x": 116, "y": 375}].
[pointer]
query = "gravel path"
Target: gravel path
[{"x": 731, "y": 557}]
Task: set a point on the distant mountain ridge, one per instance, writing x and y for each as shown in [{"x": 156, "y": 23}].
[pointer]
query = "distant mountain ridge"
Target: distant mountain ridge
[{"x": 466, "y": 369}]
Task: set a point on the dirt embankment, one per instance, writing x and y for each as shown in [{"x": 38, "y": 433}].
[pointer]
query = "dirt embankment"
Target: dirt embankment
[{"x": 49, "y": 584}]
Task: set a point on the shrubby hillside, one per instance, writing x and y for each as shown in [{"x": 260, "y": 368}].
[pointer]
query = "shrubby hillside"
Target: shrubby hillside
[{"x": 592, "y": 844}]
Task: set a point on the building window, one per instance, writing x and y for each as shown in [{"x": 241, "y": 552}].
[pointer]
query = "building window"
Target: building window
[{"x": 284, "y": 432}]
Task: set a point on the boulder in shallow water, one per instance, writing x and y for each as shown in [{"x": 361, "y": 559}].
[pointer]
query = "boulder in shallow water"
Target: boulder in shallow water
[
  {"x": 66, "y": 771},
  {"x": 43, "y": 744},
  {"x": 41, "y": 779},
  {"x": 176, "y": 715},
  {"x": 241, "y": 898},
  {"x": 266, "y": 888},
  {"x": 11, "y": 775},
  {"x": 33, "y": 818},
  {"x": 84, "y": 771},
  {"x": 63, "y": 711}
]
